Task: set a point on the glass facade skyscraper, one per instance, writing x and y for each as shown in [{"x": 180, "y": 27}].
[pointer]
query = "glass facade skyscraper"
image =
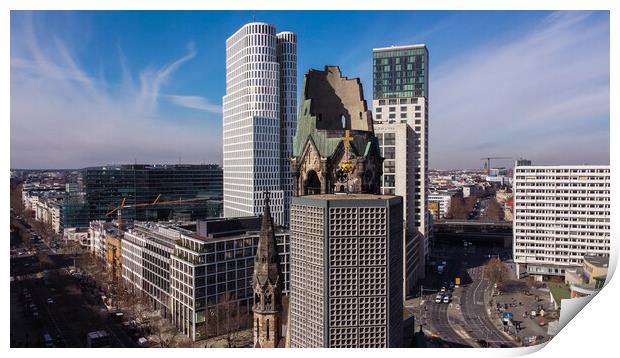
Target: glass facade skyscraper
[
  {"x": 401, "y": 72},
  {"x": 105, "y": 187}
]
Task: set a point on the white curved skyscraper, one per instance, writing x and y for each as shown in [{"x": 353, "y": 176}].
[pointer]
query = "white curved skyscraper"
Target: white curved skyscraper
[{"x": 259, "y": 120}]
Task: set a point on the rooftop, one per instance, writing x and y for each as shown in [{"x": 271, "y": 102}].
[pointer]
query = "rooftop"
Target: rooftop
[
  {"x": 403, "y": 47},
  {"x": 599, "y": 261},
  {"x": 351, "y": 197}
]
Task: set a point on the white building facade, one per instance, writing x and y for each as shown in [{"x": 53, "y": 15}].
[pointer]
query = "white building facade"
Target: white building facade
[
  {"x": 561, "y": 214},
  {"x": 443, "y": 200},
  {"x": 400, "y": 95},
  {"x": 398, "y": 150},
  {"x": 259, "y": 120}
]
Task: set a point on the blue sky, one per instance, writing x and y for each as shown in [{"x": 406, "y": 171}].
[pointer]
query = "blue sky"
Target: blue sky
[{"x": 100, "y": 87}]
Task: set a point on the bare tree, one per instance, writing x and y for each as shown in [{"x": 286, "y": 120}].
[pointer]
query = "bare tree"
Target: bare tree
[
  {"x": 142, "y": 307},
  {"x": 494, "y": 211},
  {"x": 496, "y": 271},
  {"x": 457, "y": 209},
  {"x": 166, "y": 335},
  {"x": 16, "y": 200},
  {"x": 230, "y": 319}
]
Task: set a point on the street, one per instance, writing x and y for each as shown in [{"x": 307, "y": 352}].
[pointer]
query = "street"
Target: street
[
  {"x": 47, "y": 300},
  {"x": 464, "y": 321}
]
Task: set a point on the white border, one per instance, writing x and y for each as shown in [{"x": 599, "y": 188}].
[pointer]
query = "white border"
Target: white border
[{"x": 592, "y": 332}]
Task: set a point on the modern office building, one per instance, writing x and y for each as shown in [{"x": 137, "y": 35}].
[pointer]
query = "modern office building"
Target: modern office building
[
  {"x": 561, "y": 214},
  {"x": 400, "y": 96},
  {"x": 105, "y": 187},
  {"x": 259, "y": 120},
  {"x": 146, "y": 250},
  {"x": 346, "y": 240},
  {"x": 216, "y": 263}
]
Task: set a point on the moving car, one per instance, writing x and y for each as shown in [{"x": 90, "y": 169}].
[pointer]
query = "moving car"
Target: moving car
[
  {"x": 439, "y": 298},
  {"x": 447, "y": 298}
]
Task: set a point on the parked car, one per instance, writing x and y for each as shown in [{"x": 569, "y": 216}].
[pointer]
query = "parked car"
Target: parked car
[{"x": 49, "y": 343}]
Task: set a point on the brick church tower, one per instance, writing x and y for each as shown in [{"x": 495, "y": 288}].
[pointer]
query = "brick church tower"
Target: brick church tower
[{"x": 267, "y": 283}]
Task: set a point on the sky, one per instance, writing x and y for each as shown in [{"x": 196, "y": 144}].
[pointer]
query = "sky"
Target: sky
[{"x": 108, "y": 87}]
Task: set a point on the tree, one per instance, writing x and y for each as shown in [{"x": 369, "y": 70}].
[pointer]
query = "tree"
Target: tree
[
  {"x": 165, "y": 334},
  {"x": 496, "y": 271},
  {"x": 457, "y": 209},
  {"x": 230, "y": 320},
  {"x": 494, "y": 211},
  {"x": 16, "y": 200}
]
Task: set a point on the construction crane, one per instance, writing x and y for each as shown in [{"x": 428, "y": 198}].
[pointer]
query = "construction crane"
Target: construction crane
[
  {"x": 156, "y": 202},
  {"x": 487, "y": 165}
]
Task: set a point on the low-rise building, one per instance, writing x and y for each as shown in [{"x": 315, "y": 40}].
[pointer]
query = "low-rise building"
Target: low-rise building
[
  {"x": 589, "y": 278},
  {"x": 113, "y": 257},
  {"x": 186, "y": 269},
  {"x": 79, "y": 235},
  {"x": 98, "y": 231}
]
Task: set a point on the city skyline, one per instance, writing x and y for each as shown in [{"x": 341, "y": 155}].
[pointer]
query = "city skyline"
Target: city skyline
[{"x": 99, "y": 78}]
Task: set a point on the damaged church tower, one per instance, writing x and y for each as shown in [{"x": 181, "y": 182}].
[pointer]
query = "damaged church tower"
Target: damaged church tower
[{"x": 335, "y": 149}]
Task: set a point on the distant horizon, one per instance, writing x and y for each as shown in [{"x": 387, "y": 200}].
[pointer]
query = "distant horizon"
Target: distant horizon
[
  {"x": 104, "y": 86},
  {"x": 220, "y": 165}
]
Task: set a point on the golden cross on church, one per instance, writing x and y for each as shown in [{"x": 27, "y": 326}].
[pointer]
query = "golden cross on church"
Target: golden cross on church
[{"x": 347, "y": 140}]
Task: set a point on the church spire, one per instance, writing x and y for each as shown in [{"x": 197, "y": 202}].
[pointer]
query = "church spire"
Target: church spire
[
  {"x": 267, "y": 284},
  {"x": 266, "y": 264}
]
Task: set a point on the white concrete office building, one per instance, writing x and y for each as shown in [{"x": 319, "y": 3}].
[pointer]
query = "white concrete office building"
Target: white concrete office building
[
  {"x": 259, "y": 120},
  {"x": 400, "y": 95},
  {"x": 561, "y": 214}
]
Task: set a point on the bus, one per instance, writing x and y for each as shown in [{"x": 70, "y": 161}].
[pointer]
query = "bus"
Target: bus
[{"x": 98, "y": 339}]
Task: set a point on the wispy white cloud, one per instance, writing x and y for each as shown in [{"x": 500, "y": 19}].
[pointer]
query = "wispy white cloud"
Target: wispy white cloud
[
  {"x": 63, "y": 116},
  {"x": 152, "y": 81},
  {"x": 194, "y": 102},
  {"x": 522, "y": 97}
]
